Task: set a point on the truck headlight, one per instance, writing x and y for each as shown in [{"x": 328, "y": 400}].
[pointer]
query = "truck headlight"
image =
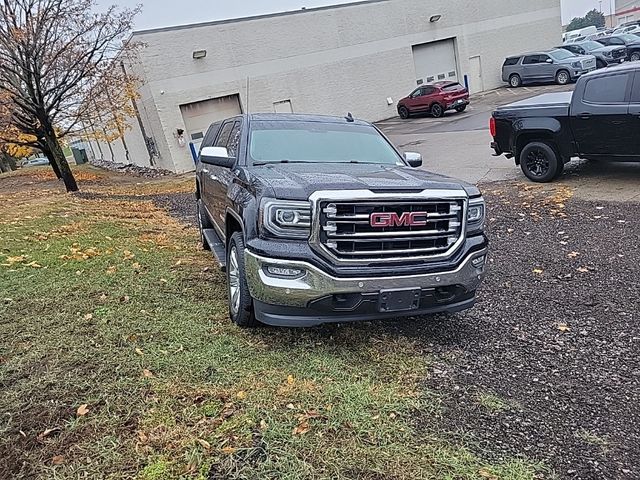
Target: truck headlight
[
  {"x": 286, "y": 219},
  {"x": 475, "y": 215},
  {"x": 608, "y": 54},
  {"x": 576, "y": 65}
]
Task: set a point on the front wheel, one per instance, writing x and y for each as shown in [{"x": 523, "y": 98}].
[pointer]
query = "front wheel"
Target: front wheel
[
  {"x": 240, "y": 301},
  {"x": 540, "y": 162},
  {"x": 563, "y": 77},
  {"x": 437, "y": 111},
  {"x": 461, "y": 108},
  {"x": 403, "y": 112},
  {"x": 635, "y": 56}
]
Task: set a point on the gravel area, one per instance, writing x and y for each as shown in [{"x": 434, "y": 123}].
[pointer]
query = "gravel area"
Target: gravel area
[
  {"x": 131, "y": 169},
  {"x": 547, "y": 364}
]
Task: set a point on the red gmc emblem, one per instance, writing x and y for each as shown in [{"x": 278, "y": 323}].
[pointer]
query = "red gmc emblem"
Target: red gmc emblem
[{"x": 392, "y": 219}]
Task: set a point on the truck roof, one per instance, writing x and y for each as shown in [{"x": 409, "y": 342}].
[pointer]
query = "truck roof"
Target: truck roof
[{"x": 301, "y": 117}]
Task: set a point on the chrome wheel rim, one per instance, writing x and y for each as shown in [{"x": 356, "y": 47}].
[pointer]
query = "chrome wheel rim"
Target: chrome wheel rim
[
  {"x": 635, "y": 57},
  {"x": 563, "y": 78},
  {"x": 514, "y": 81},
  {"x": 234, "y": 281}
]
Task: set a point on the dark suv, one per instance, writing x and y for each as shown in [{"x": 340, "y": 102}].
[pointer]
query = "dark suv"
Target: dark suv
[
  {"x": 606, "y": 55},
  {"x": 320, "y": 219}
]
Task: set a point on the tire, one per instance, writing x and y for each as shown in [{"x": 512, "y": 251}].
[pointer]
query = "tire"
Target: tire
[
  {"x": 239, "y": 298},
  {"x": 461, "y": 109},
  {"x": 437, "y": 111},
  {"x": 635, "y": 56},
  {"x": 600, "y": 64},
  {"x": 204, "y": 222},
  {"x": 540, "y": 162},
  {"x": 515, "y": 81},
  {"x": 403, "y": 112},
  {"x": 563, "y": 77}
]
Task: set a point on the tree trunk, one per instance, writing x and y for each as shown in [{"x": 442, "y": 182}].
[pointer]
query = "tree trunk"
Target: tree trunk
[
  {"x": 53, "y": 145},
  {"x": 4, "y": 164},
  {"x": 52, "y": 162}
]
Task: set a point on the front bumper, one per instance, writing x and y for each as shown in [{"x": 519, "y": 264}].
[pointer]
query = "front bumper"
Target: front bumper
[
  {"x": 317, "y": 297},
  {"x": 578, "y": 72}
]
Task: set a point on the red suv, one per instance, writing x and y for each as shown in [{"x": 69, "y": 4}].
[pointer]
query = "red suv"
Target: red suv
[{"x": 436, "y": 99}]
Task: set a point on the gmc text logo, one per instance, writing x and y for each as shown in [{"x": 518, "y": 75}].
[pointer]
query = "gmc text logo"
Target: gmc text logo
[{"x": 407, "y": 219}]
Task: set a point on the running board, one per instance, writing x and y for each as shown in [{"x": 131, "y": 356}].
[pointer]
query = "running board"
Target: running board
[{"x": 217, "y": 246}]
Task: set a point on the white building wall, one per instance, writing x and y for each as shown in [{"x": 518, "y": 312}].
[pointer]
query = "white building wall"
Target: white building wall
[{"x": 335, "y": 60}]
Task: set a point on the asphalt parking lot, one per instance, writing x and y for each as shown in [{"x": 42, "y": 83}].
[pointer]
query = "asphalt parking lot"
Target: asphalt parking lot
[{"x": 458, "y": 145}]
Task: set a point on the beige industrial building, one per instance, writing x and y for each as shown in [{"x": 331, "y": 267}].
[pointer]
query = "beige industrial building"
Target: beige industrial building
[{"x": 359, "y": 57}]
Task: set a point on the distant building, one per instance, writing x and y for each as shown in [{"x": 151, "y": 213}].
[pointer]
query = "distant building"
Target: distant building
[
  {"x": 360, "y": 58},
  {"x": 627, "y": 11}
]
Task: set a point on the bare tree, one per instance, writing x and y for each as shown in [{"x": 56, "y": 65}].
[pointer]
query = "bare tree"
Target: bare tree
[{"x": 53, "y": 54}]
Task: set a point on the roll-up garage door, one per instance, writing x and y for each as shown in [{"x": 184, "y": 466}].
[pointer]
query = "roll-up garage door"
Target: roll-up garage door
[
  {"x": 435, "y": 62},
  {"x": 198, "y": 116}
]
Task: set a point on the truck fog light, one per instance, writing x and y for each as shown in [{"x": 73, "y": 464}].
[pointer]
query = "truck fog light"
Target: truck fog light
[
  {"x": 478, "y": 262},
  {"x": 284, "y": 272}
]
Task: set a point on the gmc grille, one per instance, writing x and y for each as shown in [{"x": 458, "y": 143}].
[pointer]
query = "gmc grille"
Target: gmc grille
[{"x": 346, "y": 228}]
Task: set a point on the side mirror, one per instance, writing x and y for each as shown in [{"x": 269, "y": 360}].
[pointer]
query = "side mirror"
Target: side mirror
[
  {"x": 413, "y": 159},
  {"x": 548, "y": 60},
  {"x": 218, "y": 156}
]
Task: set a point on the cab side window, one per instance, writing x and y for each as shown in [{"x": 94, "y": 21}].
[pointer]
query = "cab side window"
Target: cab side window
[
  {"x": 223, "y": 136},
  {"x": 234, "y": 139}
]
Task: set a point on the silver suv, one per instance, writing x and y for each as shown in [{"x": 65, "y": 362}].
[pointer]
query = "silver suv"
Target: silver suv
[{"x": 560, "y": 66}]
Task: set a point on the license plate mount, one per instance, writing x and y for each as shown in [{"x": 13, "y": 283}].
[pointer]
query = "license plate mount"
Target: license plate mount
[{"x": 402, "y": 300}]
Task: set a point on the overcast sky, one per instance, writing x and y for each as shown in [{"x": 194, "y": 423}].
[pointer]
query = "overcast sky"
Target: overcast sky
[{"x": 162, "y": 13}]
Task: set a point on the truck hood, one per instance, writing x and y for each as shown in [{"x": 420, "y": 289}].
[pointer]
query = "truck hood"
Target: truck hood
[
  {"x": 607, "y": 48},
  {"x": 299, "y": 181}
]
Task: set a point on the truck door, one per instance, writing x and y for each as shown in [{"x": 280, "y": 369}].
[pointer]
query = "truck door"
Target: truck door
[
  {"x": 211, "y": 174},
  {"x": 600, "y": 119},
  {"x": 634, "y": 114},
  {"x": 222, "y": 177},
  {"x": 546, "y": 68}
]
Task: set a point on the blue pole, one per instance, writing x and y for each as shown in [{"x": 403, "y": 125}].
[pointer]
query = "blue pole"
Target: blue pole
[
  {"x": 466, "y": 82},
  {"x": 193, "y": 152}
]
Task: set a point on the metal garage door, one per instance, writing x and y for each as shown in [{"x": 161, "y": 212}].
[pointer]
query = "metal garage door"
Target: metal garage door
[
  {"x": 198, "y": 116},
  {"x": 435, "y": 62}
]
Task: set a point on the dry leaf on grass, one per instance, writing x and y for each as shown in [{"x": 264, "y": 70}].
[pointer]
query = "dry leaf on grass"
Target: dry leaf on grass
[
  {"x": 291, "y": 380},
  {"x": 147, "y": 373},
  {"x": 82, "y": 410},
  {"x": 241, "y": 395},
  {"x": 139, "y": 352},
  {"x": 573, "y": 255},
  {"x": 301, "y": 429},
  {"x": 229, "y": 450},
  {"x": 583, "y": 270},
  {"x": 538, "y": 271},
  {"x": 206, "y": 445},
  {"x": 563, "y": 327},
  {"x": 48, "y": 432},
  {"x": 58, "y": 460}
]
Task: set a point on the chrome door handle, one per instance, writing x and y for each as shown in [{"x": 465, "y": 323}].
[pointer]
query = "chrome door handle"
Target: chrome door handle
[
  {"x": 204, "y": 170},
  {"x": 213, "y": 177}
]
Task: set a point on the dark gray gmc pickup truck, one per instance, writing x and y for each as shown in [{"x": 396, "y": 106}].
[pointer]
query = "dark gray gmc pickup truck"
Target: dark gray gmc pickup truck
[
  {"x": 599, "y": 121},
  {"x": 320, "y": 219}
]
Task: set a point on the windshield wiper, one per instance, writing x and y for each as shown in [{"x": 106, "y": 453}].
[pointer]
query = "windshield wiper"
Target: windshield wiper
[{"x": 260, "y": 164}]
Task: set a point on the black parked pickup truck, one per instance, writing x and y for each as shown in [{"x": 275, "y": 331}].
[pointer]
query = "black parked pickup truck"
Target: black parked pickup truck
[
  {"x": 320, "y": 219},
  {"x": 599, "y": 121}
]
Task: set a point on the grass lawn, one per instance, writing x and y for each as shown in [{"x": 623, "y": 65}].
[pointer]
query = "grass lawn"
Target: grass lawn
[{"x": 118, "y": 360}]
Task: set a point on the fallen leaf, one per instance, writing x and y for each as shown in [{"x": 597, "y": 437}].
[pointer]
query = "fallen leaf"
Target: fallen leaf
[
  {"x": 206, "y": 445},
  {"x": 229, "y": 450},
  {"x": 48, "y": 432},
  {"x": 583, "y": 270},
  {"x": 263, "y": 425},
  {"x": 111, "y": 270},
  {"x": 88, "y": 316},
  {"x": 538, "y": 271},
  {"x": 139, "y": 352},
  {"x": 82, "y": 410},
  {"x": 574, "y": 255},
  {"x": 241, "y": 394},
  {"x": 58, "y": 460},
  {"x": 128, "y": 255},
  {"x": 301, "y": 429},
  {"x": 147, "y": 373},
  {"x": 484, "y": 473},
  {"x": 136, "y": 266},
  {"x": 290, "y": 406},
  {"x": 563, "y": 327},
  {"x": 103, "y": 297},
  {"x": 291, "y": 380},
  {"x": 33, "y": 265}
]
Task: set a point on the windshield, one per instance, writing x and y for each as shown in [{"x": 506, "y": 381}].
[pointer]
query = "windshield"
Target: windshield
[
  {"x": 315, "y": 142},
  {"x": 628, "y": 37},
  {"x": 589, "y": 46},
  {"x": 561, "y": 54}
]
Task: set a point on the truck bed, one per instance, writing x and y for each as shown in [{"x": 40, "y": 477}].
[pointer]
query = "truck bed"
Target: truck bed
[{"x": 559, "y": 102}]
